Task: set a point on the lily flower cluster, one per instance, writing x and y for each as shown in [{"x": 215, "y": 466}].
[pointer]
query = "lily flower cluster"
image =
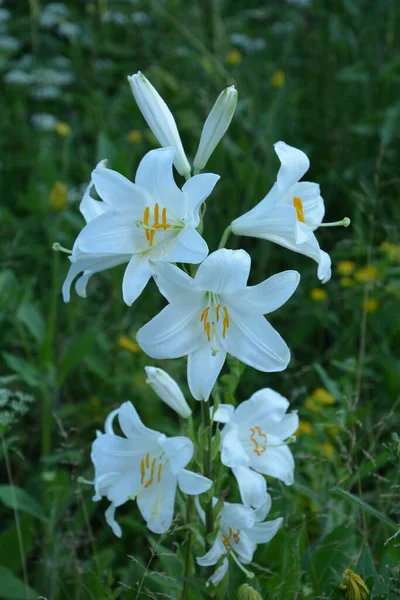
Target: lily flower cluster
[{"x": 152, "y": 224}]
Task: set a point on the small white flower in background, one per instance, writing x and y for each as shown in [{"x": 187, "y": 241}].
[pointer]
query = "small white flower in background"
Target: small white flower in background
[
  {"x": 43, "y": 121},
  {"x": 146, "y": 466},
  {"x": 253, "y": 442},
  {"x": 216, "y": 125},
  {"x": 216, "y": 313},
  {"x": 9, "y": 44},
  {"x": 149, "y": 220},
  {"x": 291, "y": 212},
  {"x": 18, "y": 77},
  {"x": 159, "y": 118},
  {"x": 241, "y": 529},
  {"x": 168, "y": 390}
]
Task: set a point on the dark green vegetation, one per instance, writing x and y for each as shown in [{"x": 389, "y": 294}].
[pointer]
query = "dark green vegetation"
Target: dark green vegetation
[{"x": 338, "y": 103}]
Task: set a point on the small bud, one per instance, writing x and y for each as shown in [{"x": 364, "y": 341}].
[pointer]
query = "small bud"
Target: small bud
[
  {"x": 355, "y": 586},
  {"x": 58, "y": 197},
  {"x": 62, "y": 129},
  {"x": 215, "y": 126},
  {"x": 159, "y": 118},
  {"x": 168, "y": 390},
  {"x": 246, "y": 592}
]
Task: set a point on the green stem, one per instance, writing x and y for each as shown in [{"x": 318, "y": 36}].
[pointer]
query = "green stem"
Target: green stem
[
  {"x": 225, "y": 237},
  {"x": 185, "y": 591},
  {"x": 207, "y": 465}
]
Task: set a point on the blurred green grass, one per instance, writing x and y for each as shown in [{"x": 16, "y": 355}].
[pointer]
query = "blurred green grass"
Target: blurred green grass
[{"x": 339, "y": 102}]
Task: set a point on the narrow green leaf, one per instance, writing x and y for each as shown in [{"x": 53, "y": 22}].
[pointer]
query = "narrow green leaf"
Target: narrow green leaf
[
  {"x": 28, "y": 372},
  {"x": 364, "y": 506},
  {"x": 31, "y": 317},
  {"x": 15, "y": 497},
  {"x": 13, "y": 588}
]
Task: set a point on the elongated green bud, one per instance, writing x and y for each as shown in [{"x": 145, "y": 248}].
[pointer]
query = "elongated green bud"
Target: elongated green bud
[{"x": 246, "y": 592}]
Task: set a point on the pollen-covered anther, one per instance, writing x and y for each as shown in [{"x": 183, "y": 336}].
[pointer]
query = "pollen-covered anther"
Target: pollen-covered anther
[
  {"x": 150, "y": 230},
  {"x": 297, "y": 203},
  {"x": 147, "y": 468},
  {"x": 257, "y": 434}
]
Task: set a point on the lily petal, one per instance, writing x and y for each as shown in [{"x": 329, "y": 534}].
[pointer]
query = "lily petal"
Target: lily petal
[
  {"x": 136, "y": 277},
  {"x": 117, "y": 191},
  {"x": 213, "y": 555},
  {"x": 156, "y": 502},
  {"x": 197, "y": 189},
  {"x": 193, "y": 483},
  {"x": 110, "y": 519},
  {"x": 172, "y": 282},
  {"x": 224, "y": 413},
  {"x": 262, "y": 533},
  {"x": 268, "y": 295},
  {"x": 223, "y": 271},
  {"x": 179, "y": 451},
  {"x": 110, "y": 233},
  {"x": 294, "y": 164},
  {"x": 277, "y": 461},
  {"x": 265, "y": 406},
  {"x": 252, "y": 487},
  {"x": 133, "y": 428},
  {"x": 187, "y": 247},
  {"x": 312, "y": 202},
  {"x": 232, "y": 452},
  {"x": 203, "y": 370}
]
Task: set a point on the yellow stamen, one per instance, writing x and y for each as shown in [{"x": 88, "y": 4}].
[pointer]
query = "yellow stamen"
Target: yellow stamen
[
  {"x": 151, "y": 237},
  {"x": 217, "y": 311},
  {"x": 156, "y": 214},
  {"x": 204, "y": 314},
  {"x": 207, "y": 328},
  {"x": 236, "y": 537},
  {"x": 297, "y": 203},
  {"x": 226, "y": 322},
  {"x": 146, "y": 221},
  {"x": 226, "y": 539},
  {"x": 164, "y": 219},
  {"x": 147, "y": 460},
  {"x": 160, "y": 468},
  {"x": 151, "y": 478},
  {"x": 142, "y": 471},
  {"x": 258, "y": 448}
]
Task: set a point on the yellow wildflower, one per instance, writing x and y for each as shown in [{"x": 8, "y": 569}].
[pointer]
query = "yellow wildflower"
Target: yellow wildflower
[
  {"x": 318, "y": 294},
  {"x": 304, "y": 427},
  {"x": 278, "y": 79},
  {"x": 370, "y": 305},
  {"x": 366, "y": 274},
  {"x": 62, "y": 129},
  {"x": 233, "y": 58},
  {"x": 392, "y": 251},
  {"x": 128, "y": 344},
  {"x": 333, "y": 430},
  {"x": 346, "y": 282},
  {"x": 322, "y": 396},
  {"x": 355, "y": 586},
  {"x": 327, "y": 449},
  {"x": 346, "y": 267},
  {"x": 134, "y": 137},
  {"x": 311, "y": 405},
  {"x": 58, "y": 197}
]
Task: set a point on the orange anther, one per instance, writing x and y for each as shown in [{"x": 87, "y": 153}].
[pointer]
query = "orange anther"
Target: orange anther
[
  {"x": 160, "y": 468},
  {"x": 146, "y": 216},
  {"x": 164, "y": 219},
  {"x": 156, "y": 214},
  {"x": 297, "y": 203},
  {"x": 217, "y": 311}
]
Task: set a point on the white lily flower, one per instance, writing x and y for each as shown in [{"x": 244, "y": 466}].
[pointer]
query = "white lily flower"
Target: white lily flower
[
  {"x": 146, "y": 466},
  {"x": 168, "y": 390},
  {"x": 253, "y": 442},
  {"x": 216, "y": 125},
  {"x": 159, "y": 118},
  {"x": 149, "y": 220},
  {"x": 291, "y": 212},
  {"x": 241, "y": 529},
  {"x": 216, "y": 313}
]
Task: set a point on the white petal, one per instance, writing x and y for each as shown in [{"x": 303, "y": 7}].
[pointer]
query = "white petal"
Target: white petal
[
  {"x": 244, "y": 548},
  {"x": 112, "y": 453},
  {"x": 119, "y": 192},
  {"x": 219, "y": 573},
  {"x": 193, "y": 483},
  {"x": 156, "y": 502},
  {"x": 262, "y": 533},
  {"x": 126, "y": 485},
  {"x": 232, "y": 452},
  {"x": 223, "y": 271},
  {"x": 262, "y": 512},
  {"x": 179, "y": 451},
  {"x": 136, "y": 277},
  {"x": 224, "y": 413},
  {"x": 155, "y": 175},
  {"x": 213, "y": 555},
  {"x": 251, "y": 339},
  {"x": 197, "y": 189},
  {"x": 252, "y": 486},
  {"x": 268, "y": 221},
  {"x": 110, "y": 519},
  {"x": 313, "y": 204},
  {"x": 324, "y": 267},
  {"x": 268, "y": 295},
  {"x": 287, "y": 427},
  {"x": 203, "y": 370},
  {"x": 265, "y": 406},
  {"x": 186, "y": 247},
  {"x": 172, "y": 282},
  {"x": 89, "y": 207},
  {"x": 275, "y": 461},
  {"x": 108, "y": 425},
  {"x": 174, "y": 332},
  {"x": 168, "y": 390},
  {"x": 237, "y": 516},
  {"x": 110, "y": 233},
  {"x": 294, "y": 164},
  {"x": 132, "y": 426}
]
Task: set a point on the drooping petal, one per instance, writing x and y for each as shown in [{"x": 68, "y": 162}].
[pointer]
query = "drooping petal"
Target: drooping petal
[
  {"x": 203, "y": 370},
  {"x": 277, "y": 461},
  {"x": 223, "y": 271},
  {"x": 89, "y": 207},
  {"x": 156, "y": 177},
  {"x": 268, "y": 221},
  {"x": 262, "y": 512},
  {"x": 224, "y": 413},
  {"x": 110, "y": 233},
  {"x": 103, "y": 482},
  {"x": 172, "y": 282},
  {"x": 126, "y": 485},
  {"x": 179, "y": 451},
  {"x": 284, "y": 429},
  {"x": 156, "y": 502},
  {"x": 324, "y": 267},
  {"x": 193, "y": 483},
  {"x": 108, "y": 425},
  {"x": 265, "y": 406},
  {"x": 136, "y": 277},
  {"x": 174, "y": 332},
  {"x": 252, "y": 486},
  {"x": 251, "y": 339},
  {"x": 120, "y": 193},
  {"x": 197, "y": 189},
  {"x": 294, "y": 164},
  {"x": 262, "y": 533},
  {"x": 186, "y": 247},
  {"x": 268, "y": 295},
  {"x": 219, "y": 573},
  {"x": 110, "y": 520},
  {"x": 213, "y": 555},
  {"x": 232, "y": 452}
]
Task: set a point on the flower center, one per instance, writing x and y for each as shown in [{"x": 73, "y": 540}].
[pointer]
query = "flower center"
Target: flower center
[
  {"x": 226, "y": 539},
  {"x": 150, "y": 470},
  {"x": 297, "y": 203},
  {"x": 213, "y": 315},
  {"x": 259, "y": 440},
  {"x": 150, "y": 229}
]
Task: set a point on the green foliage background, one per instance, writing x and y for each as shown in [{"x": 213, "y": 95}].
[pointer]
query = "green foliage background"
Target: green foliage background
[{"x": 340, "y": 103}]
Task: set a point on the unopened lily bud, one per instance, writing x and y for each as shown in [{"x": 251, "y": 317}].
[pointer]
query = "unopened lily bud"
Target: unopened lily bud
[
  {"x": 168, "y": 390},
  {"x": 216, "y": 125},
  {"x": 159, "y": 118},
  {"x": 246, "y": 592}
]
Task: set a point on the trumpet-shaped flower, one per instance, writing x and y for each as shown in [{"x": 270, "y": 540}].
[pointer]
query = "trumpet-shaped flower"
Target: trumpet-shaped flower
[
  {"x": 216, "y": 313},
  {"x": 168, "y": 390},
  {"x": 149, "y": 220},
  {"x": 291, "y": 212},
  {"x": 144, "y": 465},
  {"x": 240, "y": 530},
  {"x": 253, "y": 442}
]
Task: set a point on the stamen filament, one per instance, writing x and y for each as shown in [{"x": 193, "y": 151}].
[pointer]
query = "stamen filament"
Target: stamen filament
[
  {"x": 248, "y": 574},
  {"x": 343, "y": 223},
  {"x": 58, "y": 248}
]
